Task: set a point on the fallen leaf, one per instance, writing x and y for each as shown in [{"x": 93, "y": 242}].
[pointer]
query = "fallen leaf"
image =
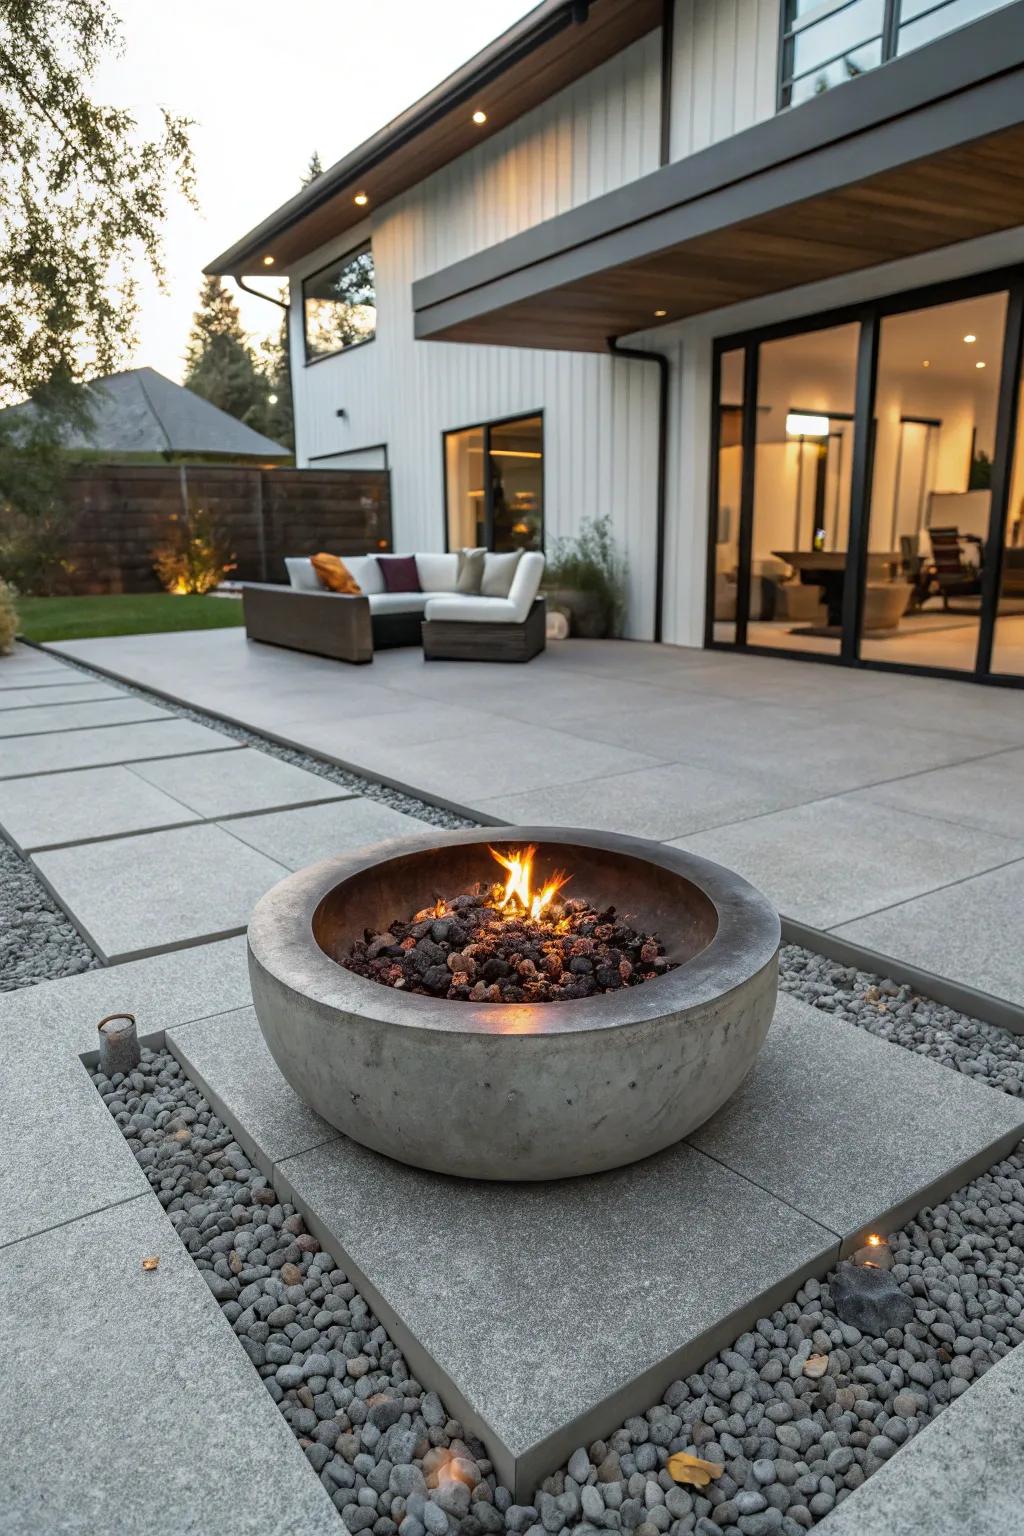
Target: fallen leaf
[
  {"x": 815, "y": 1366},
  {"x": 685, "y": 1468},
  {"x": 153, "y": 1262}
]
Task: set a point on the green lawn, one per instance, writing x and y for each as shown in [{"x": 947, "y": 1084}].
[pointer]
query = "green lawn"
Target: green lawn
[{"x": 85, "y": 618}]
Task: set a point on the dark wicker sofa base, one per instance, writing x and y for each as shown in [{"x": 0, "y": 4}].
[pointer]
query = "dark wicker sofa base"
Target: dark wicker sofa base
[{"x": 462, "y": 640}]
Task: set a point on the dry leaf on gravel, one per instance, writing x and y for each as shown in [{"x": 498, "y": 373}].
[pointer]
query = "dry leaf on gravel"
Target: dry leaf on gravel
[{"x": 691, "y": 1469}]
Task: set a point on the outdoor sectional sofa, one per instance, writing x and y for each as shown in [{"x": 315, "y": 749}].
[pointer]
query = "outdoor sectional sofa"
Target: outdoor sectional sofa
[{"x": 450, "y": 625}]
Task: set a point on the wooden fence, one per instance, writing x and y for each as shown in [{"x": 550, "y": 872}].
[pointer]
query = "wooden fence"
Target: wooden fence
[{"x": 123, "y": 513}]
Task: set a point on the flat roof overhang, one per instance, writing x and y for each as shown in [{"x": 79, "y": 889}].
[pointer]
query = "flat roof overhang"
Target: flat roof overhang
[
  {"x": 924, "y": 152},
  {"x": 548, "y": 48}
]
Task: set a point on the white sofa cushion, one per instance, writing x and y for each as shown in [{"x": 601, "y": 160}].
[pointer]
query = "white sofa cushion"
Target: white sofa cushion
[
  {"x": 302, "y": 576},
  {"x": 366, "y": 571},
  {"x": 471, "y": 610},
  {"x": 397, "y": 602},
  {"x": 499, "y": 572},
  {"x": 437, "y": 573},
  {"x": 526, "y": 583}
]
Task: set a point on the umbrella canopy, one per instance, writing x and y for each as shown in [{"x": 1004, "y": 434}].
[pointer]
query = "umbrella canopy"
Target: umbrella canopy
[{"x": 141, "y": 412}]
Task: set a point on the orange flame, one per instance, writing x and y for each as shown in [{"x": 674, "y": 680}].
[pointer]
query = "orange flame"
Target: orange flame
[{"x": 519, "y": 884}]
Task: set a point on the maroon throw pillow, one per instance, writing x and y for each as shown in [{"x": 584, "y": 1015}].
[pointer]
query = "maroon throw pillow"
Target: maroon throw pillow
[{"x": 400, "y": 573}]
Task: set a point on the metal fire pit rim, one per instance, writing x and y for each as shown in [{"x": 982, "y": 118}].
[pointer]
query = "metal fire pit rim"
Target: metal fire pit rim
[{"x": 281, "y": 942}]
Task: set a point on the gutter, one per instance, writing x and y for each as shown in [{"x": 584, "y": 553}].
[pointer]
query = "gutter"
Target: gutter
[{"x": 634, "y": 354}]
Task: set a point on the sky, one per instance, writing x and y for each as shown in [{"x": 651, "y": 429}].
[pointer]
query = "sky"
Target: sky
[{"x": 266, "y": 85}]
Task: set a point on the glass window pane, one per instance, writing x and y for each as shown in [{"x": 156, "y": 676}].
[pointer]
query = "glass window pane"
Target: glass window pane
[
  {"x": 802, "y": 480},
  {"x": 840, "y": 70},
  {"x": 339, "y": 305},
  {"x": 935, "y": 423},
  {"x": 516, "y": 466},
  {"x": 843, "y": 32},
  {"x": 938, "y": 20},
  {"x": 1008, "y": 649},
  {"x": 464, "y": 481},
  {"x": 727, "y": 511},
  {"x": 828, "y": 45}
]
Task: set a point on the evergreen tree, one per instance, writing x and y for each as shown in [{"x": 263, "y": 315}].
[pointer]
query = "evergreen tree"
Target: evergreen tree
[
  {"x": 277, "y": 419},
  {"x": 313, "y": 169},
  {"x": 219, "y": 362}
]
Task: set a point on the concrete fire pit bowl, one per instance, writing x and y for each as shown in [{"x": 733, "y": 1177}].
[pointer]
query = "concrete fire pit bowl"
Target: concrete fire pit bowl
[{"x": 510, "y": 1090}]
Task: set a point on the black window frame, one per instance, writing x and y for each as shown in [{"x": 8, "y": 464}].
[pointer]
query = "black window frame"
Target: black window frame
[
  {"x": 869, "y": 315},
  {"x": 888, "y": 35},
  {"x": 485, "y": 427},
  {"x": 352, "y": 346}
]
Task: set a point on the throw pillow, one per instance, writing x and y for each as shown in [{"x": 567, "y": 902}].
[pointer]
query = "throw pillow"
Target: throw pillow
[
  {"x": 471, "y": 570},
  {"x": 335, "y": 574},
  {"x": 400, "y": 573},
  {"x": 499, "y": 573}
]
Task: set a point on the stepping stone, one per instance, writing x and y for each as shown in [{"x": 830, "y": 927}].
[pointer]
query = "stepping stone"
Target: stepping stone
[
  {"x": 55, "y": 810},
  {"x": 99, "y": 1353},
  {"x": 853, "y": 1131},
  {"x": 138, "y": 895},
  {"x": 300, "y": 837},
  {"x": 109, "y": 744},
  {"x": 252, "y": 781},
  {"x": 59, "y": 692},
  {"x": 76, "y": 717}
]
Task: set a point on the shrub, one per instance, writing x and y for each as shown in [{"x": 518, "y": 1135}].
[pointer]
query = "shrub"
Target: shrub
[
  {"x": 197, "y": 557},
  {"x": 590, "y": 562},
  {"x": 8, "y": 618}
]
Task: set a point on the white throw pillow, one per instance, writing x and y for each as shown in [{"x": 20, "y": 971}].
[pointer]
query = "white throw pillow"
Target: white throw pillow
[
  {"x": 301, "y": 574},
  {"x": 437, "y": 572},
  {"x": 366, "y": 571},
  {"x": 499, "y": 573}
]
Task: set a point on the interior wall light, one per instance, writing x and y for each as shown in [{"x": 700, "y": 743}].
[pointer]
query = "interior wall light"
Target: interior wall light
[{"x": 798, "y": 425}]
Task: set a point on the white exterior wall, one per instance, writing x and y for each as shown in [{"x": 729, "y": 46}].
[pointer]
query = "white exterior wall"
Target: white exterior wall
[{"x": 600, "y": 414}]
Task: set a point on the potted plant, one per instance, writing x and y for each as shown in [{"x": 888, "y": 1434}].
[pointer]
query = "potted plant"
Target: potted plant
[{"x": 586, "y": 576}]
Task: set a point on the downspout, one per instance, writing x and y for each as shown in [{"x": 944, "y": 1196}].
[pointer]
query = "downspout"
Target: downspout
[
  {"x": 635, "y": 355},
  {"x": 668, "y": 24}
]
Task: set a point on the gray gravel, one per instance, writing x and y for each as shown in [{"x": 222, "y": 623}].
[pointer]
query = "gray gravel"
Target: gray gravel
[
  {"x": 37, "y": 941},
  {"x": 795, "y": 1436}
]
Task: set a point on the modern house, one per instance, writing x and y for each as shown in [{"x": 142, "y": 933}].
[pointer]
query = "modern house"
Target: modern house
[{"x": 745, "y": 275}]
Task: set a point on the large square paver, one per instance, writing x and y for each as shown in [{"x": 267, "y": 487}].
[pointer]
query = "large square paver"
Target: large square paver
[
  {"x": 969, "y": 931},
  {"x": 976, "y": 794},
  {"x": 886, "y": 856},
  {"x": 85, "y": 692},
  {"x": 76, "y": 717},
  {"x": 159, "y": 890},
  {"x": 301, "y": 837},
  {"x": 62, "y": 808},
  {"x": 251, "y": 781},
  {"x": 128, "y": 1405},
  {"x": 58, "y": 752},
  {"x": 857, "y": 1133}
]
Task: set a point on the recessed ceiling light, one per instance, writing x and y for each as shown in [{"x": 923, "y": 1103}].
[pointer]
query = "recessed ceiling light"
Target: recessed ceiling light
[
  {"x": 926, "y": 363},
  {"x": 659, "y": 314},
  {"x": 360, "y": 199},
  {"x": 979, "y": 365},
  {"x": 970, "y": 337},
  {"x": 479, "y": 117},
  {"x": 268, "y": 261}
]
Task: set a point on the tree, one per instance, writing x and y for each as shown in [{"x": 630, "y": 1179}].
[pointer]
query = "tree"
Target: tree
[
  {"x": 219, "y": 361},
  {"x": 313, "y": 169},
  {"x": 83, "y": 195},
  {"x": 277, "y": 421}
]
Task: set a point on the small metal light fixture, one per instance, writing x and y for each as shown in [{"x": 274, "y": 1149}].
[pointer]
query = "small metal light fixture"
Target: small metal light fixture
[
  {"x": 268, "y": 261},
  {"x": 798, "y": 425},
  {"x": 970, "y": 337},
  {"x": 479, "y": 117},
  {"x": 361, "y": 199}
]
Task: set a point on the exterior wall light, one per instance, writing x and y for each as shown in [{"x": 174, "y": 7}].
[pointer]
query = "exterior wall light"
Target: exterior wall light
[{"x": 806, "y": 426}]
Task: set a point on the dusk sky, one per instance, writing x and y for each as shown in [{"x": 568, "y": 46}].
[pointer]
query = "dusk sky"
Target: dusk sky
[{"x": 267, "y": 84}]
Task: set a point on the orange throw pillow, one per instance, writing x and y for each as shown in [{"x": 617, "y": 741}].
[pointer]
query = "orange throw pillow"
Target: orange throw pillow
[{"x": 335, "y": 574}]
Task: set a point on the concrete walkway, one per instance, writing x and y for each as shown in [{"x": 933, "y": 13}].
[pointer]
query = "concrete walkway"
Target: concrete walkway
[{"x": 885, "y": 809}]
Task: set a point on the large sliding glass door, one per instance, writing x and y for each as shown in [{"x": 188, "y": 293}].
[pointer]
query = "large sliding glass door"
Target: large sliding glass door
[{"x": 881, "y": 516}]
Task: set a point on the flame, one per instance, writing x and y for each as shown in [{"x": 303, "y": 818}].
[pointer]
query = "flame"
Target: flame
[{"x": 519, "y": 884}]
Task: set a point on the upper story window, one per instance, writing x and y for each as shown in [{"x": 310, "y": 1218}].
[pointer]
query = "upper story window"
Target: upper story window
[
  {"x": 825, "y": 42},
  {"x": 339, "y": 305}
]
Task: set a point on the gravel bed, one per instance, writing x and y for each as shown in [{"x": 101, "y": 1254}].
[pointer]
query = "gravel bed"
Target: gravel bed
[
  {"x": 37, "y": 941},
  {"x": 895, "y": 1012},
  {"x": 793, "y": 1445}
]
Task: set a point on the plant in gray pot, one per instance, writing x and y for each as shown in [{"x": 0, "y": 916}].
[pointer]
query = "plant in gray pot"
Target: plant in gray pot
[{"x": 586, "y": 576}]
